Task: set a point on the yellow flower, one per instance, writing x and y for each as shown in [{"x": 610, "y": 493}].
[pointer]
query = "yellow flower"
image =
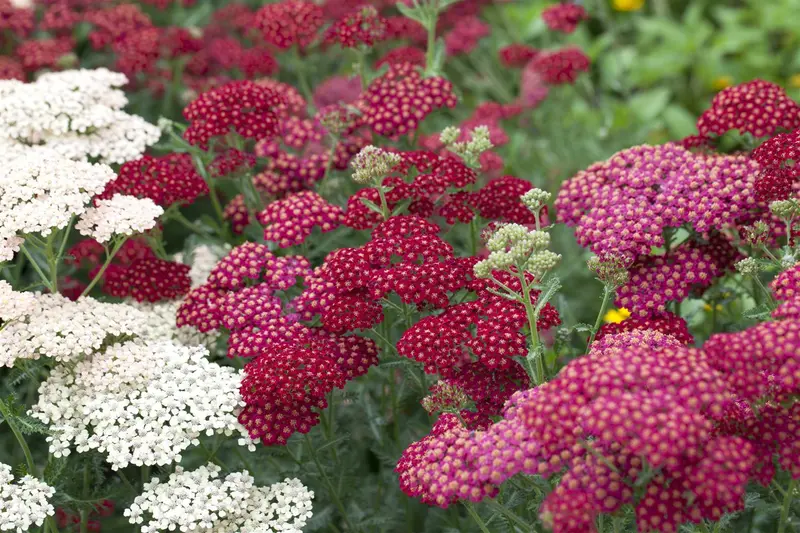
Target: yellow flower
[
  {"x": 707, "y": 307},
  {"x": 615, "y": 316},
  {"x": 628, "y": 5},
  {"x": 722, "y": 82},
  {"x": 794, "y": 81}
]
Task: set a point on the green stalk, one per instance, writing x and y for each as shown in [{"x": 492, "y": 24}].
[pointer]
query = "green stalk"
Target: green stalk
[
  {"x": 32, "y": 470},
  {"x": 84, "y": 512},
  {"x": 787, "y": 502},
  {"x": 607, "y": 292},
  {"x": 385, "y": 212},
  {"x": 328, "y": 484},
  {"x": 106, "y": 264},
  {"x": 539, "y": 375},
  {"x": 475, "y": 516},
  {"x": 45, "y": 279}
]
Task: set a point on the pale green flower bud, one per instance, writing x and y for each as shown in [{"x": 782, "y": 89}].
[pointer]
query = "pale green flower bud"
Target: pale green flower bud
[
  {"x": 542, "y": 262},
  {"x": 748, "y": 267},
  {"x": 482, "y": 269},
  {"x": 535, "y": 199},
  {"x": 450, "y": 135},
  {"x": 371, "y": 164},
  {"x": 540, "y": 239},
  {"x": 785, "y": 209},
  {"x": 611, "y": 272}
]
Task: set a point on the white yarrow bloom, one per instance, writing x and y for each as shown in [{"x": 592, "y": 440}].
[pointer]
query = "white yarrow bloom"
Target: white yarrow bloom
[
  {"x": 161, "y": 324},
  {"x": 119, "y": 215},
  {"x": 40, "y": 191},
  {"x": 140, "y": 403},
  {"x": 77, "y": 113},
  {"x": 15, "y": 305},
  {"x": 25, "y": 503},
  {"x": 200, "y": 500},
  {"x": 54, "y": 326}
]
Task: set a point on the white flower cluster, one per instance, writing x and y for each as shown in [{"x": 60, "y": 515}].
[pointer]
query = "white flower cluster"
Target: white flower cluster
[
  {"x": 202, "y": 501},
  {"x": 119, "y": 215},
  {"x": 54, "y": 326},
  {"x": 161, "y": 324},
  {"x": 23, "y": 504},
  {"x": 14, "y": 304},
  {"x": 141, "y": 403},
  {"x": 40, "y": 190},
  {"x": 77, "y": 113}
]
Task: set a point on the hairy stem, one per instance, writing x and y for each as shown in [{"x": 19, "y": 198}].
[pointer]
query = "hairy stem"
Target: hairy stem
[
  {"x": 787, "y": 502},
  {"x": 608, "y": 291},
  {"x": 106, "y": 264}
]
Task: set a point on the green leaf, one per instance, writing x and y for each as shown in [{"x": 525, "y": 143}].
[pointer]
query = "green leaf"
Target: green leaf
[
  {"x": 31, "y": 426},
  {"x": 650, "y": 104},
  {"x": 679, "y": 121},
  {"x": 401, "y": 206},
  {"x": 372, "y": 205},
  {"x": 413, "y": 13}
]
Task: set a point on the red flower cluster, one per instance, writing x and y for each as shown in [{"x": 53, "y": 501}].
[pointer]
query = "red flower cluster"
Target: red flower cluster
[
  {"x": 290, "y": 221},
  {"x": 517, "y": 55},
  {"x": 293, "y": 366},
  {"x": 780, "y": 159},
  {"x": 561, "y": 66},
  {"x": 363, "y": 26},
  {"x": 148, "y": 279},
  {"x": 395, "y": 104},
  {"x": 65, "y": 519},
  {"x": 465, "y": 36},
  {"x": 564, "y": 17},
  {"x": 242, "y": 107},
  {"x": 622, "y": 206},
  {"x": 165, "y": 180},
  {"x": 289, "y": 22},
  {"x": 758, "y": 107}
]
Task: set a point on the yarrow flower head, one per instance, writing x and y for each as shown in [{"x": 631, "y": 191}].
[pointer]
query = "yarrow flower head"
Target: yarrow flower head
[
  {"x": 53, "y": 326},
  {"x": 202, "y": 500},
  {"x": 242, "y": 107},
  {"x": 757, "y": 107},
  {"x": 396, "y": 103},
  {"x": 25, "y": 502},
  {"x": 564, "y": 17},
  {"x": 517, "y": 55},
  {"x": 470, "y": 151},
  {"x": 41, "y": 191},
  {"x": 77, "y": 113},
  {"x": 165, "y": 180},
  {"x": 622, "y": 206},
  {"x": 119, "y": 215},
  {"x": 289, "y": 22},
  {"x": 561, "y": 66},
  {"x": 363, "y": 26},
  {"x": 141, "y": 403},
  {"x": 290, "y": 221}
]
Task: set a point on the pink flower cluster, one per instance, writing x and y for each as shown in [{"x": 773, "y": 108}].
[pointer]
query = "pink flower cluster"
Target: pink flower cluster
[
  {"x": 623, "y": 205},
  {"x": 676, "y": 432}
]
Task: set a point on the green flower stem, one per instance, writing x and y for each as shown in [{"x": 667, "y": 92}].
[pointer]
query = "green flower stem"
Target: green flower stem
[
  {"x": 188, "y": 224},
  {"x": 9, "y": 419},
  {"x": 538, "y": 376},
  {"x": 475, "y": 516},
  {"x": 109, "y": 258},
  {"x": 385, "y": 212},
  {"x": 787, "y": 502},
  {"x": 212, "y": 190},
  {"x": 59, "y": 255},
  {"x": 431, "y": 51},
  {"x": 328, "y": 164},
  {"x": 608, "y": 291},
  {"x": 45, "y": 279},
  {"x": 328, "y": 484}
]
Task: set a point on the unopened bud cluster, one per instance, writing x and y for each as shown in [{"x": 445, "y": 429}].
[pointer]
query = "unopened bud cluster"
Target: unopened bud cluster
[
  {"x": 516, "y": 245},
  {"x": 445, "y": 397},
  {"x": 757, "y": 234},
  {"x": 535, "y": 199},
  {"x": 611, "y": 272},
  {"x": 371, "y": 164},
  {"x": 785, "y": 209},
  {"x": 748, "y": 267},
  {"x": 471, "y": 150}
]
